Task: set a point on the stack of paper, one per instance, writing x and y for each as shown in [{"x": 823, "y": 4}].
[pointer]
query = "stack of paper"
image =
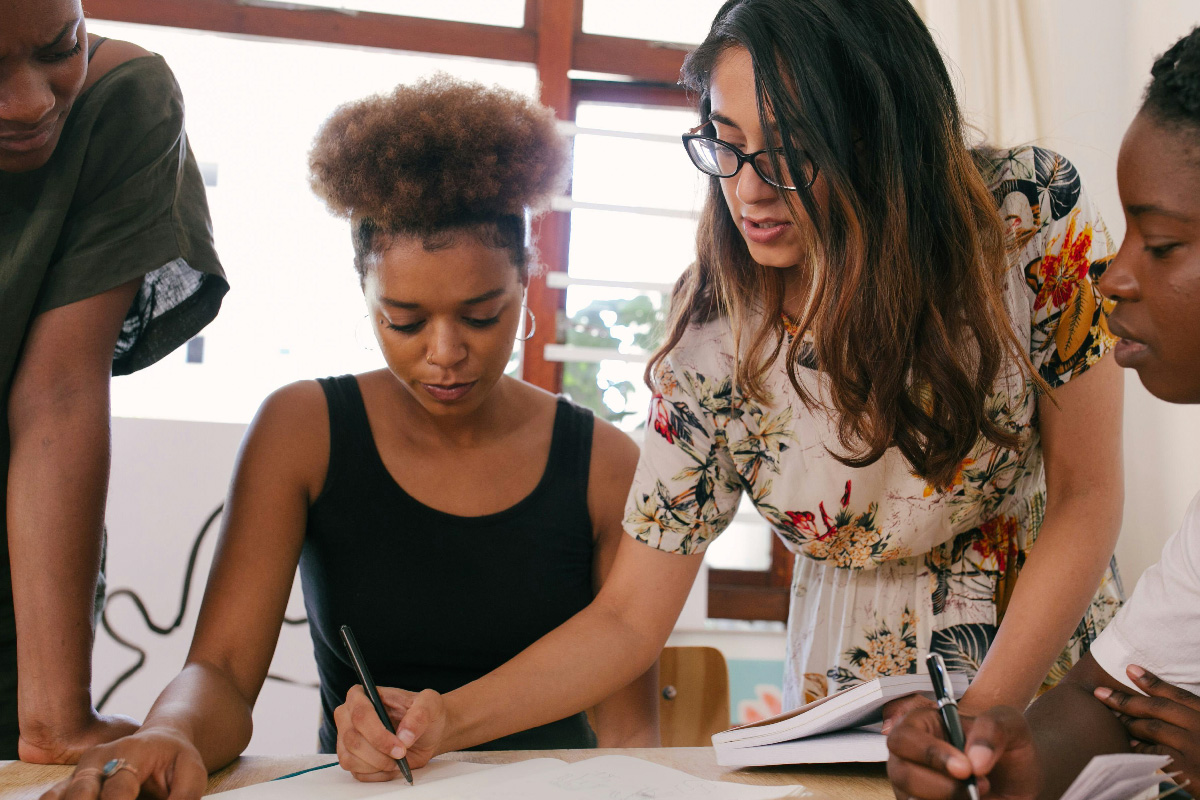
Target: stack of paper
[
  {"x": 1120, "y": 776},
  {"x": 600, "y": 778},
  {"x": 829, "y": 730}
]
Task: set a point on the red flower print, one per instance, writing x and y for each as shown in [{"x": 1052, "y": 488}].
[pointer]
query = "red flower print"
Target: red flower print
[
  {"x": 830, "y": 528},
  {"x": 1063, "y": 271},
  {"x": 804, "y": 521},
  {"x": 846, "y": 495},
  {"x": 660, "y": 415},
  {"x": 998, "y": 539}
]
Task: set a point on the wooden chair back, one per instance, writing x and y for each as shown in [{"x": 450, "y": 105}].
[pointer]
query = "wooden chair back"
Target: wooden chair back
[{"x": 693, "y": 698}]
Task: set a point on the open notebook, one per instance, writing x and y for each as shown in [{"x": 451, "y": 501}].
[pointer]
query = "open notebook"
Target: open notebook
[
  {"x": 1120, "y": 776},
  {"x": 600, "y": 778},
  {"x": 829, "y": 730}
]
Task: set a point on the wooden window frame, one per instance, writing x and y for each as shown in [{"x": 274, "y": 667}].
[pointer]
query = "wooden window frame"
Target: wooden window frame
[{"x": 551, "y": 39}]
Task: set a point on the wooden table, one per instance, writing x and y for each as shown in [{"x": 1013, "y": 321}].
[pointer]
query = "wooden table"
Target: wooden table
[{"x": 833, "y": 782}]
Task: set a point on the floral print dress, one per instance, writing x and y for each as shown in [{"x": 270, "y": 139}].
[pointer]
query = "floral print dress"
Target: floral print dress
[{"x": 887, "y": 566}]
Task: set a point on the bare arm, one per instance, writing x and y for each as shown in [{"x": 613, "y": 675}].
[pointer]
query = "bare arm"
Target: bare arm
[
  {"x": 57, "y": 484},
  {"x": 1060, "y": 714},
  {"x": 628, "y": 718},
  {"x": 1081, "y": 441},
  {"x": 202, "y": 719}
]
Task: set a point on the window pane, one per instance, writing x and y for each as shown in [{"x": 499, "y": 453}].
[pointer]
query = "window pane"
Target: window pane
[
  {"x": 635, "y": 172},
  {"x": 618, "y": 246},
  {"x": 509, "y": 13},
  {"x": 685, "y": 21},
  {"x": 636, "y": 119},
  {"x": 295, "y": 310},
  {"x": 745, "y": 544}
]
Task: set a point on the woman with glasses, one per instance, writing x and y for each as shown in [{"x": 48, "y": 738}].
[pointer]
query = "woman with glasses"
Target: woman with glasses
[
  {"x": 106, "y": 265},
  {"x": 893, "y": 346}
]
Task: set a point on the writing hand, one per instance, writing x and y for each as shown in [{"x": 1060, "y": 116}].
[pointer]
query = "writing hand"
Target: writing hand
[
  {"x": 999, "y": 753},
  {"x": 368, "y": 751}
]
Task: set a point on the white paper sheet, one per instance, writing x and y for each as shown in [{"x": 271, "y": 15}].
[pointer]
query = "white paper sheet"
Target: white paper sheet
[
  {"x": 601, "y": 778},
  {"x": 1119, "y": 776}
]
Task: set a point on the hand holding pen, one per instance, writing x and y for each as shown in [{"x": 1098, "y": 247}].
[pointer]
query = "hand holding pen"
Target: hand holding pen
[
  {"x": 993, "y": 757},
  {"x": 364, "y": 677},
  {"x": 943, "y": 692}
]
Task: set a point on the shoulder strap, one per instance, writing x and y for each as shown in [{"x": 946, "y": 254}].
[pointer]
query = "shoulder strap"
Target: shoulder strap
[
  {"x": 349, "y": 429},
  {"x": 571, "y": 449},
  {"x": 92, "y": 51}
]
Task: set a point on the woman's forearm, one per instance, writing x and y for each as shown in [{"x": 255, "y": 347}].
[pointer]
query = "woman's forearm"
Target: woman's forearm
[
  {"x": 57, "y": 483},
  {"x": 598, "y": 651},
  {"x": 570, "y": 669},
  {"x": 204, "y": 705},
  {"x": 1057, "y": 583}
]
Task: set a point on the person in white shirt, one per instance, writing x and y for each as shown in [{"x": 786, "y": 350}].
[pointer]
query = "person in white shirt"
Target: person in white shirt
[{"x": 1138, "y": 689}]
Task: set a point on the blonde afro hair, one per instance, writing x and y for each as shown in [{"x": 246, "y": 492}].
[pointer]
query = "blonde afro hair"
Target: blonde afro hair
[{"x": 437, "y": 155}]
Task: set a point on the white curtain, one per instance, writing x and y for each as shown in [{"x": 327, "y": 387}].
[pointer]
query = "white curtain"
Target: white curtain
[{"x": 995, "y": 52}]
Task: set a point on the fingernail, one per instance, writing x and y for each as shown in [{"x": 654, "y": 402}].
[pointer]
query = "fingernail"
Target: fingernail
[
  {"x": 980, "y": 755},
  {"x": 887, "y": 727},
  {"x": 397, "y": 752},
  {"x": 1137, "y": 672},
  {"x": 1103, "y": 692},
  {"x": 959, "y": 762},
  {"x": 407, "y": 737}
]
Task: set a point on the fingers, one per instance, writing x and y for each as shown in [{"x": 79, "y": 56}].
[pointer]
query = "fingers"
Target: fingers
[
  {"x": 896, "y": 710},
  {"x": 189, "y": 779},
  {"x": 364, "y": 747},
  {"x": 993, "y": 734},
  {"x": 123, "y": 785},
  {"x": 1163, "y": 714},
  {"x": 918, "y": 739},
  {"x": 1155, "y": 686},
  {"x": 1150, "y": 749},
  {"x": 426, "y": 709}
]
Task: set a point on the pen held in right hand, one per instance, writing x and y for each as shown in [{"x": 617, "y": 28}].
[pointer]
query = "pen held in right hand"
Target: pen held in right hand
[{"x": 943, "y": 691}]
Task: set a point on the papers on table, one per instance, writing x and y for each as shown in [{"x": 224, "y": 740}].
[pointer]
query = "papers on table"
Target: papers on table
[
  {"x": 600, "y": 778},
  {"x": 856, "y": 744}
]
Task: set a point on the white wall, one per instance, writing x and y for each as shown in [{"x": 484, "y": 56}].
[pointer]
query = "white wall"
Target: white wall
[
  {"x": 1098, "y": 68},
  {"x": 1092, "y": 62}
]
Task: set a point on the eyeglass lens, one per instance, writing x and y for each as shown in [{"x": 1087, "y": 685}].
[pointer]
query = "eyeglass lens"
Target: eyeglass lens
[{"x": 722, "y": 161}]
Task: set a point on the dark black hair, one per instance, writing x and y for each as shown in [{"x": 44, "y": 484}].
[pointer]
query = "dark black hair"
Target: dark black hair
[{"x": 1173, "y": 95}]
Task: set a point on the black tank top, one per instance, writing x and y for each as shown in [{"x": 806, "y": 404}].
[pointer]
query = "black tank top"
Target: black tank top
[{"x": 437, "y": 600}]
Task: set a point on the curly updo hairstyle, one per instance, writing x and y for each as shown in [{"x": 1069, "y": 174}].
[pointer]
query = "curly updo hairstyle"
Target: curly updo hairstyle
[
  {"x": 436, "y": 159},
  {"x": 1173, "y": 95}
]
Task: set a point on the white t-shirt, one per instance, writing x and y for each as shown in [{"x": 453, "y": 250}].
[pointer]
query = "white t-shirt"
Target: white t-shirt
[{"x": 1159, "y": 628}]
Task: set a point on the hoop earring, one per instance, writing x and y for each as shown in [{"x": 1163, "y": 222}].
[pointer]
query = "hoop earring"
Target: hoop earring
[
  {"x": 532, "y": 325},
  {"x": 365, "y": 339}
]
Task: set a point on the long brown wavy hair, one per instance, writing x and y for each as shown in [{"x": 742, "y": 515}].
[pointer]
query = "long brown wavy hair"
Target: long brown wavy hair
[{"x": 905, "y": 265}]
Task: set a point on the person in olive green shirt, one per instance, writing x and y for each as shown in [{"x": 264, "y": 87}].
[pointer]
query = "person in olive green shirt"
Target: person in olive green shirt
[{"x": 106, "y": 265}]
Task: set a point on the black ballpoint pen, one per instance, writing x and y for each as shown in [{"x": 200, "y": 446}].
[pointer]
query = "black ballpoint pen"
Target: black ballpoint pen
[
  {"x": 364, "y": 677},
  {"x": 943, "y": 690}
]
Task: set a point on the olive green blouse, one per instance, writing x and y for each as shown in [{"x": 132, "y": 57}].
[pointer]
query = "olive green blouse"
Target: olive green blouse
[{"x": 120, "y": 198}]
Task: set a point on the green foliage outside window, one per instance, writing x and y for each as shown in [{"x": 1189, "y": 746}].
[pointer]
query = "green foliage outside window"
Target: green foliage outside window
[{"x": 609, "y": 323}]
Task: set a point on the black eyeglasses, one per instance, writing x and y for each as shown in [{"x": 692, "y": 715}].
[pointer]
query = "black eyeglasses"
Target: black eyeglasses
[{"x": 724, "y": 160}]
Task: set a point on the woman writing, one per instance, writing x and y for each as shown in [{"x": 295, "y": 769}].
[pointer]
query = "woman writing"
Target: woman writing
[
  {"x": 106, "y": 265},
  {"x": 437, "y": 482},
  {"x": 895, "y": 347}
]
